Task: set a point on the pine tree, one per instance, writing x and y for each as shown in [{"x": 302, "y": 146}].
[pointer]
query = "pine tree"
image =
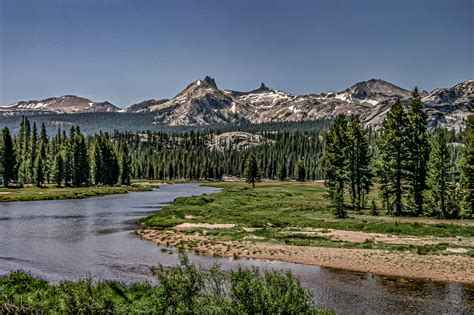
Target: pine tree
[
  {"x": 80, "y": 162},
  {"x": 466, "y": 164},
  {"x": 32, "y": 155},
  {"x": 282, "y": 171},
  {"x": 97, "y": 167},
  {"x": 439, "y": 175},
  {"x": 359, "y": 163},
  {"x": 124, "y": 166},
  {"x": 23, "y": 149},
  {"x": 335, "y": 164},
  {"x": 419, "y": 150},
  {"x": 43, "y": 144},
  {"x": 105, "y": 169},
  {"x": 38, "y": 171},
  {"x": 301, "y": 172},
  {"x": 251, "y": 173},
  {"x": 393, "y": 163},
  {"x": 58, "y": 169},
  {"x": 8, "y": 158}
]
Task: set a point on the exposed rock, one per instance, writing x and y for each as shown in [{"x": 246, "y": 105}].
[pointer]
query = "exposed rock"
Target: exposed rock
[{"x": 237, "y": 140}]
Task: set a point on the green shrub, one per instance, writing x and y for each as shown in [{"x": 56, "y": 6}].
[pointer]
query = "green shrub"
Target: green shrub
[{"x": 182, "y": 289}]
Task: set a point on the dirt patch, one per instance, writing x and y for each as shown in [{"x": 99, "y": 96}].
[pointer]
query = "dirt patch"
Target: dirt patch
[
  {"x": 360, "y": 237},
  {"x": 250, "y": 229},
  {"x": 432, "y": 267},
  {"x": 457, "y": 250},
  {"x": 189, "y": 226}
]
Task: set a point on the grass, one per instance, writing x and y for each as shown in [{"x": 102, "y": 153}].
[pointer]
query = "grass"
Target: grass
[
  {"x": 277, "y": 205},
  {"x": 51, "y": 192},
  {"x": 182, "y": 289}
]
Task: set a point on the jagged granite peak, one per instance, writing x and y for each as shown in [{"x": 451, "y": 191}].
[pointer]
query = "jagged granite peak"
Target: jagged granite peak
[
  {"x": 263, "y": 87},
  {"x": 203, "y": 103},
  {"x": 208, "y": 81},
  {"x": 65, "y": 104}
]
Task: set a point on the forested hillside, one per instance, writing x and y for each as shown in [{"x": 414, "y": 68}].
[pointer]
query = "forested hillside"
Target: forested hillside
[{"x": 403, "y": 160}]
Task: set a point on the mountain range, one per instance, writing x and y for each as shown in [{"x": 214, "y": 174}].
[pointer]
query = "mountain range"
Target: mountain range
[{"x": 203, "y": 103}]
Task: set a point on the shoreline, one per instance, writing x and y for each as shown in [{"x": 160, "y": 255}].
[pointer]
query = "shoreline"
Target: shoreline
[
  {"x": 404, "y": 264},
  {"x": 65, "y": 193}
]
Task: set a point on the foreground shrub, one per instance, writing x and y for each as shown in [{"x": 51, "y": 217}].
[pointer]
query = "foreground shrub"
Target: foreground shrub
[{"x": 181, "y": 289}]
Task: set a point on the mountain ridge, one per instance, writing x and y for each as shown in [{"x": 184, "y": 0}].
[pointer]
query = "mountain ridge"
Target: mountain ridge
[{"x": 202, "y": 102}]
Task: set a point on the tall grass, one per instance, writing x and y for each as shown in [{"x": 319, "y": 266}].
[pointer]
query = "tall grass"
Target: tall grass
[{"x": 182, "y": 289}]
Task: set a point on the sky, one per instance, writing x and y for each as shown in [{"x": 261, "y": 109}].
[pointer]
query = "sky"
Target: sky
[{"x": 128, "y": 51}]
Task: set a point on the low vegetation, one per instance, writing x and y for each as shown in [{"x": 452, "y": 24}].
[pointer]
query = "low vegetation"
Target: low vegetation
[
  {"x": 278, "y": 205},
  {"x": 50, "y": 192},
  {"x": 182, "y": 289}
]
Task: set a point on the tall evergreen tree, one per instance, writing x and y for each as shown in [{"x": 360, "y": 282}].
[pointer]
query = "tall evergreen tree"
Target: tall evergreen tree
[
  {"x": 359, "y": 163},
  {"x": 104, "y": 166},
  {"x": 393, "y": 164},
  {"x": 80, "y": 162},
  {"x": 301, "y": 172},
  {"x": 124, "y": 166},
  {"x": 466, "y": 164},
  {"x": 419, "y": 151},
  {"x": 38, "y": 170},
  {"x": 335, "y": 164},
  {"x": 23, "y": 149},
  {"x": 32, "y": 155},
  {"x": 8, "y": 158},
  {"x": 251, "y": 173},
  {"x": 43, "y": 146},
  {"x": 58, "y": 169},
  {"x": 282, "y": 171},
  {"x": 439, "y": 176}
]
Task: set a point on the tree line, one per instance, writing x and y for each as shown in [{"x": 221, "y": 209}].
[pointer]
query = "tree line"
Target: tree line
[
  {"x": 72, "y": 160},
  {"x": 75, "y": 160},
  {"x": 417, "y": 172}
]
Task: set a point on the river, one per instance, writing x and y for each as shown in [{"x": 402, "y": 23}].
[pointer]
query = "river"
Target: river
[{"x": 73, "y": 239}]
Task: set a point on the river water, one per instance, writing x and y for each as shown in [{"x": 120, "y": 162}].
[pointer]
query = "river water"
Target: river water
[{"x": 73, "y": 239}]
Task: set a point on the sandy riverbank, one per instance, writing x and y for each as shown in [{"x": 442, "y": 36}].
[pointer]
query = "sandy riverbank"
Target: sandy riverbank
[{"x": 433, "y": 267}]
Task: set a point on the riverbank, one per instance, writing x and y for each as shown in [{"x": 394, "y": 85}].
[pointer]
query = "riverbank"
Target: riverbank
[
  {"x": 291, "y": 222},
  {"x": 433, "y": 267},
  {"x": 51, "y": 192}
]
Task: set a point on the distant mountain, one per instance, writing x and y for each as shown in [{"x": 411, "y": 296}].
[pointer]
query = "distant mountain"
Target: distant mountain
[
  {"x": 203, "y": 103},
  {"x": 67, "y": 104}
]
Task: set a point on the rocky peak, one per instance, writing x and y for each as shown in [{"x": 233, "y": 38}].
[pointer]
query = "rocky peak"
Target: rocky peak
[
  {"x": 460, "y": 93},
  {"x": 208, "y": 82},
  {"x": 263, "y": 87},
  {"x": 375, "y": 89}
]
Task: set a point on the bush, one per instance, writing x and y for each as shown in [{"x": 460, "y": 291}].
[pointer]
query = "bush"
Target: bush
[{"x": 184, "y": 288}]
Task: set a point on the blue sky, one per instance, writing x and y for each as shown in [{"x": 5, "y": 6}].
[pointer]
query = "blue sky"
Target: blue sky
[{"x": 128, "y": 51}]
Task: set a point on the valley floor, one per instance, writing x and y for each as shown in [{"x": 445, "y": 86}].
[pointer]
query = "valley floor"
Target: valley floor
[{"x": 291, "y": 222}]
